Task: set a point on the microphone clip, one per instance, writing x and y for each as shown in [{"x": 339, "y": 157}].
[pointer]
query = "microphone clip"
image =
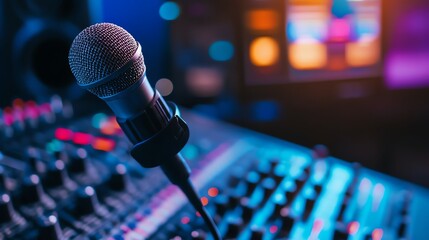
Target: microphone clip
[{"x": 163, "y": 145}]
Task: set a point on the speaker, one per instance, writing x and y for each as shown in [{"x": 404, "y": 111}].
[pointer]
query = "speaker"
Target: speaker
[{"x": 36, "y": 37}]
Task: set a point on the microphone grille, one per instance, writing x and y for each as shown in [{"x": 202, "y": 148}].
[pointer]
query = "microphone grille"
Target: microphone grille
[{"x": 98, "y": 51}]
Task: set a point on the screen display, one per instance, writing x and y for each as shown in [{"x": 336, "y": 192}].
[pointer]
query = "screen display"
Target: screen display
[{"x": 312, "y": 40}]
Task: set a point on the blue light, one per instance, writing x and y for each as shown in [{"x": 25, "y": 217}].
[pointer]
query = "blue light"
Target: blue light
[
  {"x": 169, "y": 11},
  {"x": 221, "y": 51}
]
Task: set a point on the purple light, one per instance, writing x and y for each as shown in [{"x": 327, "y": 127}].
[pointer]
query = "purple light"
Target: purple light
[{"x": 407, "y": 69}]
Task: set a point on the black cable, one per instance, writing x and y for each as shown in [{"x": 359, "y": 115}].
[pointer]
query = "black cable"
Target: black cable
[
  {"x": 178, "y": 172},
  {"x": 190, "y": 192}
]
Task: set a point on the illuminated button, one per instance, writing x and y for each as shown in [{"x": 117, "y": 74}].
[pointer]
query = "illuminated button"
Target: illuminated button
[
  {"x": 103, "y": 144},
  {"x": 82, "y": 138},
  {"x": 264, "y": 51},
  {"x": 63, "y": 134}
]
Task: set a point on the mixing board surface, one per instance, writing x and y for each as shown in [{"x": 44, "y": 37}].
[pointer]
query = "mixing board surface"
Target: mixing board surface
[{"x": 67, "y": 177}]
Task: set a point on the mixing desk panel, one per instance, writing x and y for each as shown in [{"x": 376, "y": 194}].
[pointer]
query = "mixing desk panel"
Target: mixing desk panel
[{"x": 70, "y": 177}]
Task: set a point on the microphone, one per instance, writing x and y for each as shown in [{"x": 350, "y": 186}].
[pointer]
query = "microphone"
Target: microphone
[{"x": 107, "y": 61}]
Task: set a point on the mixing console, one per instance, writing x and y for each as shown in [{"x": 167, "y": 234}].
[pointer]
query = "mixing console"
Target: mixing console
[{"x": 71, "y": 177}]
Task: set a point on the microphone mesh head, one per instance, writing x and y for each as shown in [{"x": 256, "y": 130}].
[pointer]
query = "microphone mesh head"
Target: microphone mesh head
[{"x": 98, "y": 51}]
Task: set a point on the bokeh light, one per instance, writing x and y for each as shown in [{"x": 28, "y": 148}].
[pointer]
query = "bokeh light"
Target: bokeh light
[
  {"x": 169, "y": 11},
  {"x": 221, "y": 50}
]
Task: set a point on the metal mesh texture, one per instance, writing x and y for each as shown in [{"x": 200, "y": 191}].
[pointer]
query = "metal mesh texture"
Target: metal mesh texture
[{"x": 100, "y": 50}]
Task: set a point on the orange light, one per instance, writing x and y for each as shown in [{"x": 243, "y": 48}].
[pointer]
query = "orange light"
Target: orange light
[
  {"x": 364, "y": 52},
  {"x": 103, "y": 144},
  {"x": 107, "y": 128},
  {"x": 204, "y": 201},
  {"x": 309, "y": 2},
  {"x": 264, "y": 51},
  {"x": 262, "y": 19},
  {"x": 308, "y": 54},
  {"x": 213, "y": 192}
]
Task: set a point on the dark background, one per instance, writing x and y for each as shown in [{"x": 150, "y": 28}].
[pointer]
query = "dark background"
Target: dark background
[{"x": 380, "y": 121}]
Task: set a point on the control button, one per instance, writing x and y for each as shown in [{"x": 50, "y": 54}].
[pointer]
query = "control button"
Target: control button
[
  {"x": 33, "y": 159},
  {"x": 252, "y": 180},
  {"x": 2, "y": 180},
  {"x": 257, "y": 233},
  {"x": 234, "y": 228},
  {"x": 290, "y": 196},
  {"x": 278, "y": 205},
  {"x": 56, "y": 175},
  {"x": 248, "y": 210},
  {"x": 49, "y": 228},
  {"x": 264, "y": 172},
  {"x": 278, "y": 177},
  {"x": 32, "y": 190},
  {"x": 299, "y": 183},
  {"x": 119, "y": 179},
  {"x": 86, "y": 201},
  {"x": 221, "y": 204},
  {"x": 7, "y": 211},
  {"x": 234, "y": 200},
  {"x": 268, "y": 187},
  {"x": 79, "y": 162}
]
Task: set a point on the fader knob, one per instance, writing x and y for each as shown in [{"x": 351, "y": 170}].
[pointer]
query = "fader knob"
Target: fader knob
[
  {"x": 2, "y": 180},
  {"x": 86, "y": 201},
  {"x": 79, "y": 162},
  {"x": 252, "y": 180},
  {"x": 56, "y": 175},
  {"x": 119, "y": 179},
  {"x": 221, "y": 204},
  {"x": 268, "y": 186},
  {"x": 248, "y": 211},
  {"x": 6, "y": 209},
  {"x": 32, "y": 190},
  {"x": 49, "y": 228}
]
